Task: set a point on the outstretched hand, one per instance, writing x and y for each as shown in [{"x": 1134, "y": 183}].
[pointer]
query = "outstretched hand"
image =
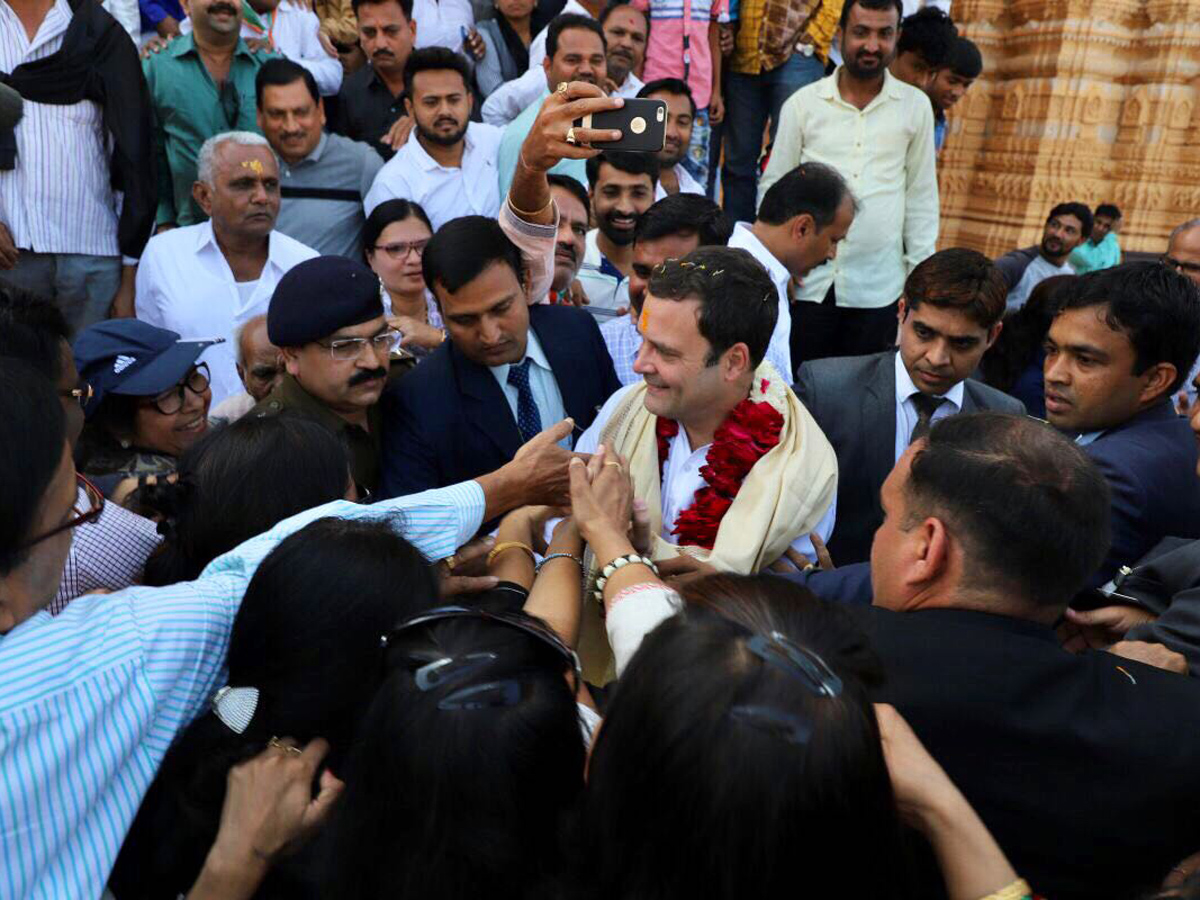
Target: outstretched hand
[{"x": 546, "y": 144}]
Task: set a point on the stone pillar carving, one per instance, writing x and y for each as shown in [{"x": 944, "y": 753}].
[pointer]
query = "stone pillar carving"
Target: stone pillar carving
[{"x": 1089, "y": 100}]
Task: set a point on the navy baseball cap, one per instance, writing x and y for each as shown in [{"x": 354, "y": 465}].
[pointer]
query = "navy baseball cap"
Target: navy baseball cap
[{"x": 130, "y": 357}]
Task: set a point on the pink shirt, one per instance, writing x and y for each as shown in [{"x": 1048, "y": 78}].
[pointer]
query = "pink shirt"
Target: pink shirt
[{"x": 664, "y": 50}]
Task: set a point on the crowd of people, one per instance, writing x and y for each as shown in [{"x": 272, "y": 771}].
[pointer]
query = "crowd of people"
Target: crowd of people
[{"x": 405, "y": 495}]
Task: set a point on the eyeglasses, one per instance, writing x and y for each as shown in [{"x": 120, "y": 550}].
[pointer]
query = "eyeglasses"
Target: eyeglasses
[
  {"x": 400, "y": 249},
  {"x": 89, "y": 513},
  {"x": 81, "y": 394},
  {"x": 444, "y": 671},
  {"x": 1183, "y": 268},
  {"x": 171, "y": 401},
  {"x": 344, "y": 349}
]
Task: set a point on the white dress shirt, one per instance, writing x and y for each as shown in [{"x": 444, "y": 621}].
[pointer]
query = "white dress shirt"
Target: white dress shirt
[
  {"x": 542, "y": 384},
  {"x": 128, "y": 16},
  {"x": 682, "y": 479},
  {"x": 779, "y": 351},
  {"x": 185, "y": 284},
  {"x": 59, "y": 198},
  {"x": 687, "y": 184},
  {"x": 886, "y": 154},
  {"x": 444, "y": 193},
  {"x": 293, "y": 30},
  {"x": 906, "y": 410},
  {"x": 440, "y": 23}
]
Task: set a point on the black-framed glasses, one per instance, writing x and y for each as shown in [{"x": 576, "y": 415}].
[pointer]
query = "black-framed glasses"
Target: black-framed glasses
[
  {"x": 397, "y": 250},
  {"x": 171, "y": 401},
  {"x": 81, "y": 514},
  {"x": 441, "y": 671},
  {"x": 1183, "y": 268},
  {"x": 344, "y": 349},
  {"x": 82, "y": 393}
]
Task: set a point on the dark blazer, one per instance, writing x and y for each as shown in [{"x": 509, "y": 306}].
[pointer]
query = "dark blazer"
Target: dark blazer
[
  {"x": 853, "y": 399},
  {"x": 448, "y": 420},
  {"x": 1150, "y": 464},
  {"x": 1086, "y": 775}
]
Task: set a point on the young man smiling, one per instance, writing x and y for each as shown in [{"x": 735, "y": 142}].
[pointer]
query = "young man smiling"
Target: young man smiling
[{"x": 949, "y": 316}]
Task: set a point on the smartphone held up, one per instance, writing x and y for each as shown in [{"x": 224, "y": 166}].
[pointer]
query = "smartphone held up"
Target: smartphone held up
[{"x": 642, "y": 123}]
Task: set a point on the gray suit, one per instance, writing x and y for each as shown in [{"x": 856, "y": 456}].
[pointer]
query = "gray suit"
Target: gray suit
[{"x": 853, "y": 399}]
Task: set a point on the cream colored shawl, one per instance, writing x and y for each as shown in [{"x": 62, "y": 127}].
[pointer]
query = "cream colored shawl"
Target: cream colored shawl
[{"x": 784, "y": 497}]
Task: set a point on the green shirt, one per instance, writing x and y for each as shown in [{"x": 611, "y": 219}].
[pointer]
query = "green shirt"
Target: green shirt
[
  {"x": 365, "y": 447},
  {"x": 1089, "y": 257},
  {"x": 188, "y": 110}
]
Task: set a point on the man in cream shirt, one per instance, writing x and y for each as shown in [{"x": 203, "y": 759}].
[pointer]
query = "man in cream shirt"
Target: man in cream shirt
[{"x": 878, "y": 132}]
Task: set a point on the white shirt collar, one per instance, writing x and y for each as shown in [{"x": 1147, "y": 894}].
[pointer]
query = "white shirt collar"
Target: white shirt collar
[
  {"x": 744, "y": 238},
  {"x": 905, "y": 387},
  {"x": 206, "y": 242},
  {"x": 428, "y": 164},
  {"x": 533, "y": 352}
]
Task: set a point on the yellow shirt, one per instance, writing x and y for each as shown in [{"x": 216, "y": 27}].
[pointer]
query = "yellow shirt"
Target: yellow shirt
[
  {"x": 885, "y": 152},
  {"x": 785, "y": 22}
]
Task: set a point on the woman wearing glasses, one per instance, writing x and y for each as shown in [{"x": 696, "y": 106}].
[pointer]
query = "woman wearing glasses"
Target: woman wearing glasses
[
  {"x": 394, "y": 237},
  {"x": 149, "y": 400}
]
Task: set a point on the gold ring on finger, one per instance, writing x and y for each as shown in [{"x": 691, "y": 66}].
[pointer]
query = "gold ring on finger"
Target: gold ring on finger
[
  {"x": 570, "y": 135},
  {"x": 620, "y": 468},
  {"x": 451, "y": 562},
  {"x": 562, "y": 88}
]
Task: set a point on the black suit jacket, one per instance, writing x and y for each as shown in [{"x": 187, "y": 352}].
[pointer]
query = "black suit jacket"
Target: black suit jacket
[
  {"x": 853, "y": 399},
  {"x": 448, "y": 420},
  {"x": 1085, "y": 774},
  {"x": 1150, "y": 464}
]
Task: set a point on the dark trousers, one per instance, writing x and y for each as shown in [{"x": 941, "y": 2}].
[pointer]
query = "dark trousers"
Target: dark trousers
[{"x": 826, "y": 329}]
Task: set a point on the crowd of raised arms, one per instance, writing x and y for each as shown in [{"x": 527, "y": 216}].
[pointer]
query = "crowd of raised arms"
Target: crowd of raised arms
[{"x": 536, "y": 450}]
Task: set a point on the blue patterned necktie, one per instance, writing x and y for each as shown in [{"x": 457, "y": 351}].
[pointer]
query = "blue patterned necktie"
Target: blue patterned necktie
[{"x": 528, "y": 420}]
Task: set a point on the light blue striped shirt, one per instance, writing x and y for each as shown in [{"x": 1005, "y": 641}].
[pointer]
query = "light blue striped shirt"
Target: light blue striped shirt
[{"x": 92, "y": 698}]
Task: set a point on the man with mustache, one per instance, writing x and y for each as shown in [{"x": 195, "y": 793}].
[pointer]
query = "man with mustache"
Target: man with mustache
[
  {"x": 622, "y": 188},
  {"x": 574, "y": 213},
  {"x": 449, "y": 167},
  {"x": 877, "y": 132},
  {"x": 673, "y": 176},
  {"x": 201, "y": 85},
  {"x": 949, "y": 317},
  {"x": 1068, "y": 225},
  {"x": 337, "y": 350},
  {"x": 625, "y": 29},
  {"x": 372, "y": 99},
  {"x": 575, "y": 51},
  {"x": 324, "y": 177},
  {"x": 207, "y": 279}
]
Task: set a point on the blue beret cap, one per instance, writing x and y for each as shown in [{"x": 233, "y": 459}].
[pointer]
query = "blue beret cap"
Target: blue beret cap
[{"x": 320, "y": 296}]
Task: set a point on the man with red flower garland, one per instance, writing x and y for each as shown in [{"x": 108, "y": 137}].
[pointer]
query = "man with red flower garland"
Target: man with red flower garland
[{"x": 732, "y": 468}]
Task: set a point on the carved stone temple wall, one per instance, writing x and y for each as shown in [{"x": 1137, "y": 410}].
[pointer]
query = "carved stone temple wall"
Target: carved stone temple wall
[{"x": 1089, "y": 100}]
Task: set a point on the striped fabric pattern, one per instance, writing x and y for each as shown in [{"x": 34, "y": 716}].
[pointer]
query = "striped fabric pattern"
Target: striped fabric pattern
[
  {"x": 58, "y": 199},
  {"x": 93, "y": 697}
]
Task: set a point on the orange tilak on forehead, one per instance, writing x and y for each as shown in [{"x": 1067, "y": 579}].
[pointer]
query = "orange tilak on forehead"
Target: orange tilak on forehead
[
  {"x": 644, "y": 321},
  {"x": 254, "y": 165}
]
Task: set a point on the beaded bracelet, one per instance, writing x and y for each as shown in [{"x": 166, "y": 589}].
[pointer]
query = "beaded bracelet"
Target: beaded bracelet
[
  {"x": 546, "y": 559},
  {"x": 618, "y": 563}
]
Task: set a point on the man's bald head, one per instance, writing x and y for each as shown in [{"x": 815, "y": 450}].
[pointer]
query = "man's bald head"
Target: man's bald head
[
  {"x": 1183, "y": 250},
  {"x": 258, "y": 361}
]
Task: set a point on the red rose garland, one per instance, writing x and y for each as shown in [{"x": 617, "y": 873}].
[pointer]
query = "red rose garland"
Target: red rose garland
[{"x": 748, "y": 433}]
